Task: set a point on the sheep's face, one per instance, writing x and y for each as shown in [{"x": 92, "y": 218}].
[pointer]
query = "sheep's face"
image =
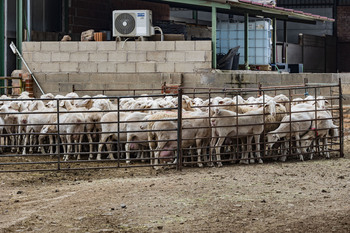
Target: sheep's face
[{"x": 271, "y": 139}]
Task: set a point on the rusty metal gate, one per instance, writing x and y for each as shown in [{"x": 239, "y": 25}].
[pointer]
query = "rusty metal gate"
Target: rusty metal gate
[{"x": 194, "y": 127}]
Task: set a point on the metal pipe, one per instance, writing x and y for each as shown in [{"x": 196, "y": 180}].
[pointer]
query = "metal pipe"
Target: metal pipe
[
  {"x": 213, "y": 34},
  {"x": 2, "y": 40},
  {"x": 19, "y": 30},
  {"x": 274, "y": 39},
  {"x": 29, "y": 19},
  {"x": 179, "y": 130},
  {"x": 5, "y": 35},
  {"x": 246, "y": 41}
]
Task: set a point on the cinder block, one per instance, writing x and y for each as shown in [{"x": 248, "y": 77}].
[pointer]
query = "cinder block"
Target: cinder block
[
  {"x": 165, "y": 45},
  {"x": 42, "y": 57},
  {"x": 203, "y": 45},
  {"x": 106, "y": 46},
  {"x": 167, "y": 67},
  {"x": 58, "y": 56},
  {"x": 105, "y": 78},
  {"x": 202, "y": 65},
  {"x": 69, "y": 66},
  {"x": 176, "y": 56},
  {"x": 28, "y": 56},
  {"x": 87, "y": 46},
  {"x": 145, "y": 45},
  {"x": 34, "y": 66},
  {"x": 196, "y": 56},
  {"x": 126, "y": 78},
  {"x": 184, "y": 67},
  {"x": 79, "y": 78},
  {"x": 209, "y": 56},
  {"x": 87, "y": 67},
  {"x": 185, "y": 45},
  {"x": 50, "y": 67},
  {"x": 145, "y": 67},
  {"x": 150, "y": 80},
  {"x": 68, "y": 46},
  {"x": 98, "y": 57},
  {"x": 65, "y": 88},
  {"x": 129, "y": 67},
  {"x": 126, "y": 46},
  {"x": 117, "y": 56},
  {"x": 136, "y": 56},
  {"x": 79, "y": 57},
  {"x": 158, "y": 56},
  {"x": 31, "y": 46},
  {"x": 50, "y": 46},
  {"x": 107, "y": 67},
  {"x": 56, "y": 77}
]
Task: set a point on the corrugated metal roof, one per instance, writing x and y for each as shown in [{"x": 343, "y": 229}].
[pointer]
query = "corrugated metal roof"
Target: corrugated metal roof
[{"x": 272, "y": 9}]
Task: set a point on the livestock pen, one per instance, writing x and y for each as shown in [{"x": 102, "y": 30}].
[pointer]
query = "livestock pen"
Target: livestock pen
[{"x": 191, "y": 127}]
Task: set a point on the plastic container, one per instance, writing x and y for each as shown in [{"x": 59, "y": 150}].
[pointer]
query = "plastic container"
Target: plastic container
[{"x": 231, "y": 34}]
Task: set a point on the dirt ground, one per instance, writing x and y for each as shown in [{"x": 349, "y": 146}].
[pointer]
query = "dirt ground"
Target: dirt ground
[{"x": 310, "y": 196}]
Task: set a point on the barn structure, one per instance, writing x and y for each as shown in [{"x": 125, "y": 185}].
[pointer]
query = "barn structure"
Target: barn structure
[{"x": 187, "y": 57}]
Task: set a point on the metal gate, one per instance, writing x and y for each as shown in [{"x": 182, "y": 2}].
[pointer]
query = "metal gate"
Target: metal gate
[{"x": 194, "y": 127}]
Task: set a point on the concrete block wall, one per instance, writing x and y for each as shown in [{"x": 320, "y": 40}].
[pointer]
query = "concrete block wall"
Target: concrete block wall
[{"x": 104, "y": 64}]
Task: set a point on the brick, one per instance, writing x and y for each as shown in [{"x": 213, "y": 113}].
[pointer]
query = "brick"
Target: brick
[
  {"x": 107, "y": 67},
  {"x": 50, "y": 46},
  {"x": 68, "y": 46},
  {"x": 129, "y": 67},
  {"x": 56, "y": 77},
  {"x": 87, "y": 67},
  {"x": 167, "y": 67},
  {"x": 176, "y": 56},
  {"x": 136, "y": 56},
  {"x": 126, "y": 46},
  {"x": 165, "y": 45},
  {"x": 41, "y": 57},
  {"x": 145, "y": 67},
  {"x": 50, "y": 67},
  {"x": 79, "y": 57},
  {"x": 184, "y": 67},
  {"x": 117, "y": 56},
  {"x": 31, "y": 46},
  {"x": 69, "y": 66},
  {"x": 79, "y": 77},
  {"x": 184, "y": 45},
  {"x": 106, "y": 46},
  {"x": 203, "y": 45},
  {"x": 98, "y": 57},
  {"x": 145, "y": 45},
  {"x": 87, "y": 46},
  {"x": 196, "y": 56},
  {"x": 156, "y": 56},
  {"x": 60, "y": 57}
]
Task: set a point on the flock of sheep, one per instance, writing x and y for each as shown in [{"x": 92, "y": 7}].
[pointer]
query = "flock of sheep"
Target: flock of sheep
[{"x": 147, "y": 128}]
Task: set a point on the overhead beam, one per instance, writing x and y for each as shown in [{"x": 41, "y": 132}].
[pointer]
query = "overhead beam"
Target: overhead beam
[
  {"x": 2, "y": 38},
  {"x": 218, "y": 4}
]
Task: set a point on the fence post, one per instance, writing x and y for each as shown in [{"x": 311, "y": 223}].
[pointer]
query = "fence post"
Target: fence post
[
  {"x": 341, "y": 123},
  {"x": 58, "y": 144},
  {"x": 179, "y": 130},
  {"x": 118, "y": 144}
]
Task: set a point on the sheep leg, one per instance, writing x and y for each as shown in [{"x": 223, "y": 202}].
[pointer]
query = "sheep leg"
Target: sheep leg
[
  {"x": 25, "y": 144},
  {"x": 325, "y": 147},
  {"x": 127, "y": 152},
  {"x": 103, "y": 139},
  {"x": 63, "y": 140},
  {"x": 257, "y": 149},
  {"x": 199, "y": 152},
  {"x": 109, "y": 148},
  {"x": 244, "y": 152},
  {"x": 41, "y": 141},
  {"x": 212, "y": 148},
  {"x": 297, "y": 147},
  {"x": 217, "y": 149}
]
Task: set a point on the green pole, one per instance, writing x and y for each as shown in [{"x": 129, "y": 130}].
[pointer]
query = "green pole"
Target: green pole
[
  {"x": 274, "y": 39},
  {"x": 246, "y": 41},
  {"x": 213, "y": 34},
  {"x": 19, "y": 31},
  {"x": 2, "y": 38}
]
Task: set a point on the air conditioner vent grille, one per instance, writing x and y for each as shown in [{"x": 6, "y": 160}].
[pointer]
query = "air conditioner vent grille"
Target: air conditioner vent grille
[{"x": 125, "y": 23}]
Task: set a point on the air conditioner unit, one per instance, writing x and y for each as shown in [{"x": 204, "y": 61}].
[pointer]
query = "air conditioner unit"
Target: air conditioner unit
[{"x": 132, "y": 23}]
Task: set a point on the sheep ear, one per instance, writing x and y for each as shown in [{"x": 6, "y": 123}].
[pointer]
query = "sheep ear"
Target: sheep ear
[{"x": 327, "y": 102}]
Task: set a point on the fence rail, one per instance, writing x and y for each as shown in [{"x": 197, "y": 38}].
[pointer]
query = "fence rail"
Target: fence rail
[{"x": 213, "y": 127}]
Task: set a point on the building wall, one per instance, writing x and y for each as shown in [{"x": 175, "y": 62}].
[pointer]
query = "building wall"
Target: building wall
[
  {"x": 97, "y": 15},
  {"x": 114, "y": 65}
]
